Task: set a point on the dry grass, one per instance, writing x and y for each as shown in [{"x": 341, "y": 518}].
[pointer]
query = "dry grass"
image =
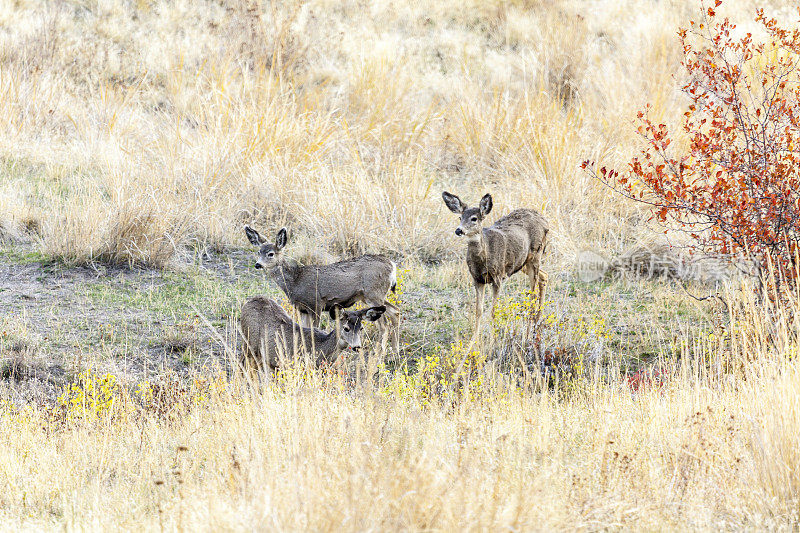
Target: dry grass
[
  {"x": 710, "y": 447},
  {"x": 133, "y": 131}
]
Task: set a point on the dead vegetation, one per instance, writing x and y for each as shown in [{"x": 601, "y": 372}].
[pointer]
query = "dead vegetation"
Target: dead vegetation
[
  {"x": 146, "y": 133},
  {"x": 132, "y": 131}
]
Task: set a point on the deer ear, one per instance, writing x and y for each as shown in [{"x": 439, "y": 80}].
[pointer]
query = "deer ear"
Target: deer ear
[
  {"x": 253, "y": 236},
  {"x": 280, "y": 240},
  {"x": 453, "y": 203},
  {"x": 373, "y": 313},
  {"x": 486, "y": 204}
]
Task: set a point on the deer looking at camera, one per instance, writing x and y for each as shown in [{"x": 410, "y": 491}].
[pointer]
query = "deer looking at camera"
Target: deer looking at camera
[
  {"x": 317, "y": 289},
  {"x": 271, "y": 336},
  {"x": 515, "y": 242}
]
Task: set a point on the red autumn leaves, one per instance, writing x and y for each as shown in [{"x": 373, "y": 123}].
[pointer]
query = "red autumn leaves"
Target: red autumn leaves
[{"x": 732, "y": 180}]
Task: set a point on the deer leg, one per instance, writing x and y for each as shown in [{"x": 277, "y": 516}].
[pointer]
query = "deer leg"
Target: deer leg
[
  {"x": 372, "y": 358},
  {"x": 392, "y": 317},
  {"x": 395, "y": 318},
  {"x": 305, "y": 319},
  {"x": 480, "y": 290},
  {"x": 383, "y": 334},
  {"x": 496, "y": 289},
  {"x": 249, "y": 362},
  {"x": 542, "y": 282},
  {"x": 538, "y": 280},
  {"x": 385, "y": 323}
]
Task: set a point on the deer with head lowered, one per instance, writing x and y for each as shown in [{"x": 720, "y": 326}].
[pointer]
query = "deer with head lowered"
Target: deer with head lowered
[
  {"x": 270, "y": 335},
  {"x": 515, "y": 242},
  {"x": 317, "y": 289}
]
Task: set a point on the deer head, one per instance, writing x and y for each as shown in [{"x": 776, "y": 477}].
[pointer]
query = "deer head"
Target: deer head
[
  {"x": 269, "y": 254},
  {"x": 349, "y": 324},
  {"x": 471, "y": 217}
]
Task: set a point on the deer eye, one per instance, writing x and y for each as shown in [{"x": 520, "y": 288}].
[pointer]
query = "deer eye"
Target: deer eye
[
  {"x": 346, "y": 329},
  {"x": 271, "y": 254},
  {"x": 474, "y": 219}
]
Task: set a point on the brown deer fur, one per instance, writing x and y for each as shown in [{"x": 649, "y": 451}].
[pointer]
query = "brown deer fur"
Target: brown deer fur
[
  {"x": 269, "y": 335},
  {"x": 515, "y": 242},
  {"x": 317, "y": 289}
]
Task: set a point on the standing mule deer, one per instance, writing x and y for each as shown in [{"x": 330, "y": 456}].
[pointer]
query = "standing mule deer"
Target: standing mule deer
[
  {"x": 270, "y": 335},
  {"x": 317, "y": 289},
  {"x": 513, "y": 243}
]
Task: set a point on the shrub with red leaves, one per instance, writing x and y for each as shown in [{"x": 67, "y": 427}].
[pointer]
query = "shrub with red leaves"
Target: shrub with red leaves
[
  {"x": 644, "y": 379},
  {"x": 735, "y": 187}
]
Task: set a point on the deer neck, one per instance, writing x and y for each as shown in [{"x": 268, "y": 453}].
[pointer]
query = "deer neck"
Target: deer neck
[
  {"x": 285, "y": 274},
  {"x": 477, "y": 258},
  {"x": 327, "y": 345},
  {"x": 476, "y": 246}
]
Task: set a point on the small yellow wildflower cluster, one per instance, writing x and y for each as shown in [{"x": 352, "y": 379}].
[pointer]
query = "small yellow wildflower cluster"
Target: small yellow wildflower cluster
[
  {"x": 508, "y": 311},
  {"x": 284, "y": 302},
  {"x": 107, "y": 332},
  {"x": 144, "y": 391},
  {"x": 10, "y": 413},
  {"x": 449, "y": 374},
  {"x": 573, "y": 379},
  {"x": 592, "y": 327},
  {"x": 172, "y": 396},
  {"x": 302, "y": 372},
  {"x": 567, "y": 345},
  {"x": 294, "y": 373},
  {"x": 560, "y": 345},
  {"x": 579, "y": 329},
  {"x": 721, "y": 336},
  {"x": 91, "y": 397},
  {"x": 204, "y": 388},
  {"x": 95, "y": 397},
  {"x": 396, "y": 297},
  {"x": 403, "y": 386}
]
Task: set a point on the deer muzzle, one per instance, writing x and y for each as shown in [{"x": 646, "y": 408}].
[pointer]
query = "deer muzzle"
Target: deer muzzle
[{"x": 459, "y": 231}]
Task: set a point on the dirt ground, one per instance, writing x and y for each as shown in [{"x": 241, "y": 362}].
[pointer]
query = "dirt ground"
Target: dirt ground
[
  {"x": 141, "y": 324},
  {"x": 57, "y": 320}
]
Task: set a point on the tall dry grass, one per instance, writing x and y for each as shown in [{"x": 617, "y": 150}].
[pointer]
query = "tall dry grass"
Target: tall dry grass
[
  {"x": 130, "y": 131},
  {"x": 714, "y": 443}
]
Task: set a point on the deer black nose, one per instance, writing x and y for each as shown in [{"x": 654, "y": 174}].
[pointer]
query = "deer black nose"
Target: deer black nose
[
  {"x": 459, "y": 231},
  {"x": 258, "y": 265}
]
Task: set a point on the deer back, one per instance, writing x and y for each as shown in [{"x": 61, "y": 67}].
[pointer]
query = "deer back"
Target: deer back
[
  {"x": 506, "y": 246},
  {"x": 319, "y": 288},
  {"x": 268, "y": 332}
]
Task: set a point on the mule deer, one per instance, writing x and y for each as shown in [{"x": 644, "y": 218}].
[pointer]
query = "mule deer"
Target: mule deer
[
  {"x": 513, "y": 243},
  {"x": 317, "y": 289},
  {"x": 270, "y": 335}
]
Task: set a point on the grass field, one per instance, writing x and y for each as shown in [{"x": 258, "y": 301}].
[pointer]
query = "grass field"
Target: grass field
[{"x": 138, "y": 136}]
